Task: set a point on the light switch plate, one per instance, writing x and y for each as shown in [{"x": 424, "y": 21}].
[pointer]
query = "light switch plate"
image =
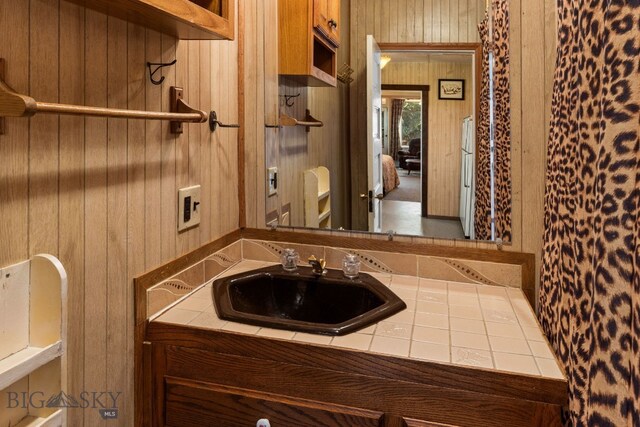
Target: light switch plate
[
  {"x": 189, "y": 207},
  {"x": 272, "y": 181}
]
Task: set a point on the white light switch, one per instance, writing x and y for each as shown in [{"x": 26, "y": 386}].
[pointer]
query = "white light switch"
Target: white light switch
[
  {"x": 272, "y": 180},
  {"x": 188, "y": 207}
]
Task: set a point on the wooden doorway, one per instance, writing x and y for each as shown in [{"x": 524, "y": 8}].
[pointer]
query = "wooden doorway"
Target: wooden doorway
[{"x": 424, "y": 148}]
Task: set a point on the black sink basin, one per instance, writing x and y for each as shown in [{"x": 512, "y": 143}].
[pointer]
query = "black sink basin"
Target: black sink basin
[{"x": 300, "y": 301}]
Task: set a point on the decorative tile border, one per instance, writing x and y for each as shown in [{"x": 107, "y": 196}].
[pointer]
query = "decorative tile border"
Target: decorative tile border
[{"x": 171, "y": 290}]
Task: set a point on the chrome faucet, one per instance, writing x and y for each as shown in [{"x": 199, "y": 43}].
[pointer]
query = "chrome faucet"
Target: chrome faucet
[{"x": 318, "y": 266}]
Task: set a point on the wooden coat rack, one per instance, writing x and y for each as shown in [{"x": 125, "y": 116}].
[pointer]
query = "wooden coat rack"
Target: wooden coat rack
[{"x": 309, "y": 121}]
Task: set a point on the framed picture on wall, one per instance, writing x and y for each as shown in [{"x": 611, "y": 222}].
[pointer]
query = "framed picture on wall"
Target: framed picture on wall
[{"x": 451, "y": 89}]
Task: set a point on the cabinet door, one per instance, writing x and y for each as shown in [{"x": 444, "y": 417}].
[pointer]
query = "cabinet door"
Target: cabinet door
[
  {"x": 334, "y": 21},
  {"x": 326, "y": 19},
  {"x": 198, "y": 404}
]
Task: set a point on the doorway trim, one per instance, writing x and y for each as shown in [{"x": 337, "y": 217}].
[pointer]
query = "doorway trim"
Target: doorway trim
[
  {"x": 424, "y": 148},
  {"x": 476, "y": 48}
]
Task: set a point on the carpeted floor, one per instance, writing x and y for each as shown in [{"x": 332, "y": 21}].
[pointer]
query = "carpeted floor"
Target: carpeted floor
[{"x": 409, "y": 189}]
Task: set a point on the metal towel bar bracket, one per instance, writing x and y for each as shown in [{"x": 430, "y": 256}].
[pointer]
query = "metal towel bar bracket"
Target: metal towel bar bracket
[{"x": 214, "y": 123}]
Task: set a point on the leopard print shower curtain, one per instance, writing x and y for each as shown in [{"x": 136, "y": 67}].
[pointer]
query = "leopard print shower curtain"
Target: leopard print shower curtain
[
  {"x": 590, "y": 278},
  {"x": 498, "y": 43}
]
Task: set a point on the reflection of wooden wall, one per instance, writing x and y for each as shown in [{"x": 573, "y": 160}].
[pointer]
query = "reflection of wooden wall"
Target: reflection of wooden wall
[
  {"x": 296, "y": 150},
  {"x": 533, "y": 40},
  {"x": 444, "y": 126},
  {"x": 101, "y": 194}
]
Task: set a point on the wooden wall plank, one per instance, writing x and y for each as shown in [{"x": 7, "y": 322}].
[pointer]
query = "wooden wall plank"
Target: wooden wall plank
[
  {"x": 95, "y": 333},
  {"x": 72, "y": 187},
  {"x": 101, "y": 195},
  {"x": 153, "y": 159},
  {"x": 14, "y": 177},
  {"x": 206, "y": 140},
  {"x": 117, "y": 295},
  {"x": 169, "y": 197},
  {"x": 43, "y": 137},
  {"x": 136, "y": 134}
]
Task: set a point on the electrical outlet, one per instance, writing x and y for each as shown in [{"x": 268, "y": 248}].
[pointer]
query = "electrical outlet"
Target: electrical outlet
[
  {"x": 188, "y": 207},
  {"x": 272, "y": 181}
]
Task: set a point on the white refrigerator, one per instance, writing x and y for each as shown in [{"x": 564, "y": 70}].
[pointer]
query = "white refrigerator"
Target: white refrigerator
[{"x": 467, "y": 181}]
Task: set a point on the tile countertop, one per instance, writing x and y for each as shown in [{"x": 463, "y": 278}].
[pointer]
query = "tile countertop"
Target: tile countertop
[{"x": 480, "y": 326}]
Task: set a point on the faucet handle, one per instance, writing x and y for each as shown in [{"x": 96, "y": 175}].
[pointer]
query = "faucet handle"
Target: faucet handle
[{"x": 320, "y": 262}]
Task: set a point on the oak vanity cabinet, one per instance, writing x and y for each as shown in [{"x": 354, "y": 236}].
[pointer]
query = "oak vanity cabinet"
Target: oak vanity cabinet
[{"x": 309, "y": 34}]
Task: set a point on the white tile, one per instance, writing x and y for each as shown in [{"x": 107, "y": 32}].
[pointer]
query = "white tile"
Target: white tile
[
  {"x": 384, "y": 278},
  {"x": 473, "y": 326},
  {"x": 240, "y": 328},
  {"x": 425, "y": 295},
  {"x": 471, "y": 357},
  {"x": 465, "y": 300},
  {"x": 404, "y": 293},
  {"x": 492, "y": 292},
  {"x": 405, "y": 316},
  {"x": 178, "y": 316},
  {"x": 312, "y": 338},
  {"x": 276, "y": 333},
  {"x": 410, "y": 282},
  {"x": 457, "y": 288},
  {"x": 500, "y": 316},
  {"x": 515, "y": 293},
  {"x": 495, "y": 304},
  {"x": 465, "y": 312},
  {"x": 195, "y": 304},
  {"x": 430, "y": 351},
  {"x": 465, "y": 339},
  {"x": 432, "y": 285},
  {"x": 203, "y": 293},
  {"x": 509, "y": 345},
  {"x": 533, "y": 333},
  {"x": 396, "y": 330},
  {"x": 541, "y": 349},
  {"x": 508, "y": 330},
  {"x": 432, "y": 320},
  {"x": 392, "y": 346},
  {"x": 432, "y": 307},
  {"x": 432, "y": 335},
  {"x": 369, "y": 330},
  {"x": 353, "y": 341},
  {"x": 516, "y": 363},
  {"x": 549, "y": 368},
  {"x": 207, "y": 320}
]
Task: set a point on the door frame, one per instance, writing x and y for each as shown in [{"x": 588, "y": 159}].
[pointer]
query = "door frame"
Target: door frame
[
  {"x": 424, "y": 148},
  {"x": 476, "y": 48}
]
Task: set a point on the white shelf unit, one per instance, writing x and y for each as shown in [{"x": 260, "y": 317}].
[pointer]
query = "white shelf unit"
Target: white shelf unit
[
  {"x": 317, "y": 198},
  {"x": 32, "y": 341}
]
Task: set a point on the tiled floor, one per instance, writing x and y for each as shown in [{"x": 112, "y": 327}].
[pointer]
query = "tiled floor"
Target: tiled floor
[
  {"x": 447, "y": 322},
  {"x": 405, "y": 218}
]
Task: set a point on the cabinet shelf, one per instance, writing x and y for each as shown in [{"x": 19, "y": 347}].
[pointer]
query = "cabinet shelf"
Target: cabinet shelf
[
  {"x": 52, "y": 420},
  {"x": 20, "y": 364},
  {"x": 184, "y": 19},
  {"x": 317, "y": 198}
]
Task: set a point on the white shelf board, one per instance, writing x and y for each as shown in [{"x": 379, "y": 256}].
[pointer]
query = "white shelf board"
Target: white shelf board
[
  {"x": 324, "y": 215},
  {"x": 53, "y": 420},
  {"x": 322, "y": 195},
  {"x": 22, "y": 363}
]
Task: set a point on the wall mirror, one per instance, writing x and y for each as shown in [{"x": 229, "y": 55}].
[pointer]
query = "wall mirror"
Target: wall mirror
[{"x": 419, "y": 142}]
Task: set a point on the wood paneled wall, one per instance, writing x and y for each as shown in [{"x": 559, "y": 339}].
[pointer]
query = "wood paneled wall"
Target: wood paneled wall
[
  {"x": 533, "y": 40},
  {"x": 444, "y": 127},
  {"x": 102, "y": 194},
  {"x": 293, "y": 150}
]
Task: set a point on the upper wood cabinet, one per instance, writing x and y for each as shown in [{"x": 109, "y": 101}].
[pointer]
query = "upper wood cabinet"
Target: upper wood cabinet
[
  {"x": 309, "y": 33},
  {"x": 326, "y": 19},
  {"x": 184, "y": 19}
]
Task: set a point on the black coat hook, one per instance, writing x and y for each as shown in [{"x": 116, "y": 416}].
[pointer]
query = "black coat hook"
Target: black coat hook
[
  {"x": 158, "y": 67},
  {"x": 214, "y": 123},
  {"x": 288, "y": 99}
]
